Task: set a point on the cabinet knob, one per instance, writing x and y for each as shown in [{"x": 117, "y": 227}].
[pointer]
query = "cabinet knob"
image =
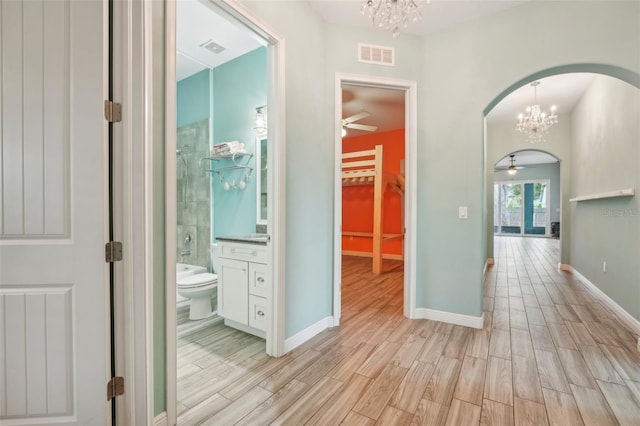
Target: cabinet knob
[
  {"x": 260, "y": 313},
  {"x": 260, "y": 279}
]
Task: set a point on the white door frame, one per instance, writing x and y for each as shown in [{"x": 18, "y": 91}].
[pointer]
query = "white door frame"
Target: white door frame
[
  {"x": 135, "y": 138},
  {"x": 276, "y": 183},
  {"x": 410, "y": 200}
]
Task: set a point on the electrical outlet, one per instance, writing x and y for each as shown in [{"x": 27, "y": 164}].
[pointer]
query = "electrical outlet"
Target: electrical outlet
[{"x": 604, "y": 266}]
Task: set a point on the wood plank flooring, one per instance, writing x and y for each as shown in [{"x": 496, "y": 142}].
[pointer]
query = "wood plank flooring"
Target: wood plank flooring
[{"x": 549, "y": 354}]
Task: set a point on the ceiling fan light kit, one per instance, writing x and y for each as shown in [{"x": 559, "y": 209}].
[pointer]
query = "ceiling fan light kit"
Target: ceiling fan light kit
[
  {"x": 535, "y": 123},
  {"x": 512, "y": 170},
  {"x": 392, "y": 14}
]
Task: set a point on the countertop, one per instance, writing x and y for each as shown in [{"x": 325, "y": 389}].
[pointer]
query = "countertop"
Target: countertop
[{"x": 260, "y": 239}]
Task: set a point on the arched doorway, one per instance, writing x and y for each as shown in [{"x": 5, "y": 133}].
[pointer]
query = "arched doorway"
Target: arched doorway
[{"x": 558, "y": 140}]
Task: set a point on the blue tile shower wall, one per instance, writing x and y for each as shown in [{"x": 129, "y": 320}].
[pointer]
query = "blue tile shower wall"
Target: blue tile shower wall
[{"x": 239, "y": 86}]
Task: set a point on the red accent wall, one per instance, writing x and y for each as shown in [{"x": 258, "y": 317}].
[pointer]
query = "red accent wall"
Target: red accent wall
[{"x": 357, "y": 201}]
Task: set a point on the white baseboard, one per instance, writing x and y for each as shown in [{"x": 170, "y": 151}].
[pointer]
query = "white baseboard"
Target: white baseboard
[
  {"x": 306, "y": 334},
  {"x": 622, "y": 315},
  {"x": 451, "y": 318},
  {"x": 488, "y": 263},
  {"x": 369, "y": 254},
  {"x": 565, "y": 267},
  {"x": 160, "y": 419}
]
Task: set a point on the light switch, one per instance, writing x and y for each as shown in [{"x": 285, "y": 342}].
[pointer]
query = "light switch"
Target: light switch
[{"x": 462, "y": 212}]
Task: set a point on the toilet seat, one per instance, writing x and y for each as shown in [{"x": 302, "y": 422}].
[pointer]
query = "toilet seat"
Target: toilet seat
[{"x": 197, "y": 280}]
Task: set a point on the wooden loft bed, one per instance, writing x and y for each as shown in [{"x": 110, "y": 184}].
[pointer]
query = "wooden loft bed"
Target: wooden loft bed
[{"x": 365, "y": 168}]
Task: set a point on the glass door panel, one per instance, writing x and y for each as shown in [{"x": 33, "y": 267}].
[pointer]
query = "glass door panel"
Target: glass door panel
[
  {"x": 535, "y": 208},
  {"x": 511, "y": 208}
]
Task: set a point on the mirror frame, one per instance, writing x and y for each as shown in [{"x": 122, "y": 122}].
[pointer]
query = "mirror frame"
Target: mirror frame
[{"x": 259, "y": 154}]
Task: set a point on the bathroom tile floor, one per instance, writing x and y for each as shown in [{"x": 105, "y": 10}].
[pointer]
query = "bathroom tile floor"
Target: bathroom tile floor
[{"x": 549, "y": 353}]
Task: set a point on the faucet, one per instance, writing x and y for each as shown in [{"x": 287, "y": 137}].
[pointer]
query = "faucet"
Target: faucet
[{"x": 187, "y": 242}]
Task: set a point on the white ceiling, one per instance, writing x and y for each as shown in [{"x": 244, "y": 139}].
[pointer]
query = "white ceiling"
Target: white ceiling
[
  {"x": 436, "y": 16},
  {"x": 562, "y": 90},
  {"x": 199, "y": 22}
]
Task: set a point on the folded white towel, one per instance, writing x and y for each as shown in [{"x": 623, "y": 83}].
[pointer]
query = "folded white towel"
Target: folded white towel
[{"x": 223, "y": 149}]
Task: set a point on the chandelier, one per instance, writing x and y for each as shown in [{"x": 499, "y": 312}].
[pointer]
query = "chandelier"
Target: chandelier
[
  {"x": 392, "y": 14},
  {"x": 536, "y": 123}
]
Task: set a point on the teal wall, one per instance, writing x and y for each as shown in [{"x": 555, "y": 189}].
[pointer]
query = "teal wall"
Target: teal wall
[
  {"x": 309, "y": 161},
  {"x": 193, "y": 98},
  {"x": 459, "y": 72},
  {"x": 606, "y": 155},
  {"x": 239, "y": 86}
]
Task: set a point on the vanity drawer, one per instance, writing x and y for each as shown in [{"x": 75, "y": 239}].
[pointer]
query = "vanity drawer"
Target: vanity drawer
[
  {"x": 258, "y": 312},
  {"x": 248, "y": 252},
  {"x": 259, "y": 284}
]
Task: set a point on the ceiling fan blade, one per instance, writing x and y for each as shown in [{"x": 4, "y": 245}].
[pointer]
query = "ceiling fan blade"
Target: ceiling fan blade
[
  {"x": 361, "y": 127},
  {"x": 356, "y": 117}
]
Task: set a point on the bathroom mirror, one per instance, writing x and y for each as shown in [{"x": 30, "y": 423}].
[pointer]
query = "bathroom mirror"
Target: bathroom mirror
[{"x": 261, "y": 179}]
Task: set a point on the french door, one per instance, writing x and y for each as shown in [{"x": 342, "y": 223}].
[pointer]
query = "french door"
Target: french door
[{"x": 521, "y": 208}]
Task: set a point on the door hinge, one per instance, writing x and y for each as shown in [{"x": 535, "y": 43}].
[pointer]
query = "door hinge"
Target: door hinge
[
  {"x": 113, "y": 251},
  {"x": 115, "y": 387},
  {"x": 112, "y": 111}
]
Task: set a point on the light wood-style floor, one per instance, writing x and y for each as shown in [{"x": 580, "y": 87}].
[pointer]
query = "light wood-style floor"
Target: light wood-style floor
[{"x": 550, "y": 353}]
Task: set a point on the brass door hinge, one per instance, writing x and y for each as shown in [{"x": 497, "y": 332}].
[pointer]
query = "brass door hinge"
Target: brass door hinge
[
  {"x": 115, "y": 387},
  {"x": 113, "y": 251},
  {"x": 112, "y": 111}
]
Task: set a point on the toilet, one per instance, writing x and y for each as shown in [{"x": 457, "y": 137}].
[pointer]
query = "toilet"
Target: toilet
[{"x": 199, "y": 288}]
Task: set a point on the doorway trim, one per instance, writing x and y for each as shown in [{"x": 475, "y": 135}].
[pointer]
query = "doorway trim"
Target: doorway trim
[
  {"x": 276, "y": 204},
  {"x": 410, "y": 87}
]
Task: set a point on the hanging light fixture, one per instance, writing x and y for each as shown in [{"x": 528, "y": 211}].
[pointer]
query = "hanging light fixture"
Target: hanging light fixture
[
  {"x": 536, "y": 123},
  {"x": 260, "y": 123},
  {"x": 512, "y": 169},
  {"x": 392, "y": 14}
]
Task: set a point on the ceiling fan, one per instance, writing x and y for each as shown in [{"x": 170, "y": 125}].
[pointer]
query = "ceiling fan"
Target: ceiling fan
[
  {"x": 512, "y": 169},
  {"x": 350, "y": 123}
]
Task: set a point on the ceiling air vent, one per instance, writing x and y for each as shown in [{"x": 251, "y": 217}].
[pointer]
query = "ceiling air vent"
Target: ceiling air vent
[
  {"x": 371, "y": 54},
  {"x": 212, "y": 46}
]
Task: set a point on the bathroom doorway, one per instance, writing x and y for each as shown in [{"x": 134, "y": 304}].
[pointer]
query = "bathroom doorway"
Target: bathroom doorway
[
  {"x": 225, "y": 95},
  {"x": 375, "y": 190}
]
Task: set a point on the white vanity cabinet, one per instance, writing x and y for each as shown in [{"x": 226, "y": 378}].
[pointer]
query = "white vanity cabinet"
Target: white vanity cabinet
[{"x": 243, "y": 286}]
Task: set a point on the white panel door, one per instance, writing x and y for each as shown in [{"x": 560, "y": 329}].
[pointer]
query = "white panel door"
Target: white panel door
[{"x": 54, "y": 338}]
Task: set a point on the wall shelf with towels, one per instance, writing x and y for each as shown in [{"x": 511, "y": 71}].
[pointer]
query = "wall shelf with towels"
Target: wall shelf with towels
[
  {"x": 239, "y": 160},
  {"x": 629, "y": 192}
]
